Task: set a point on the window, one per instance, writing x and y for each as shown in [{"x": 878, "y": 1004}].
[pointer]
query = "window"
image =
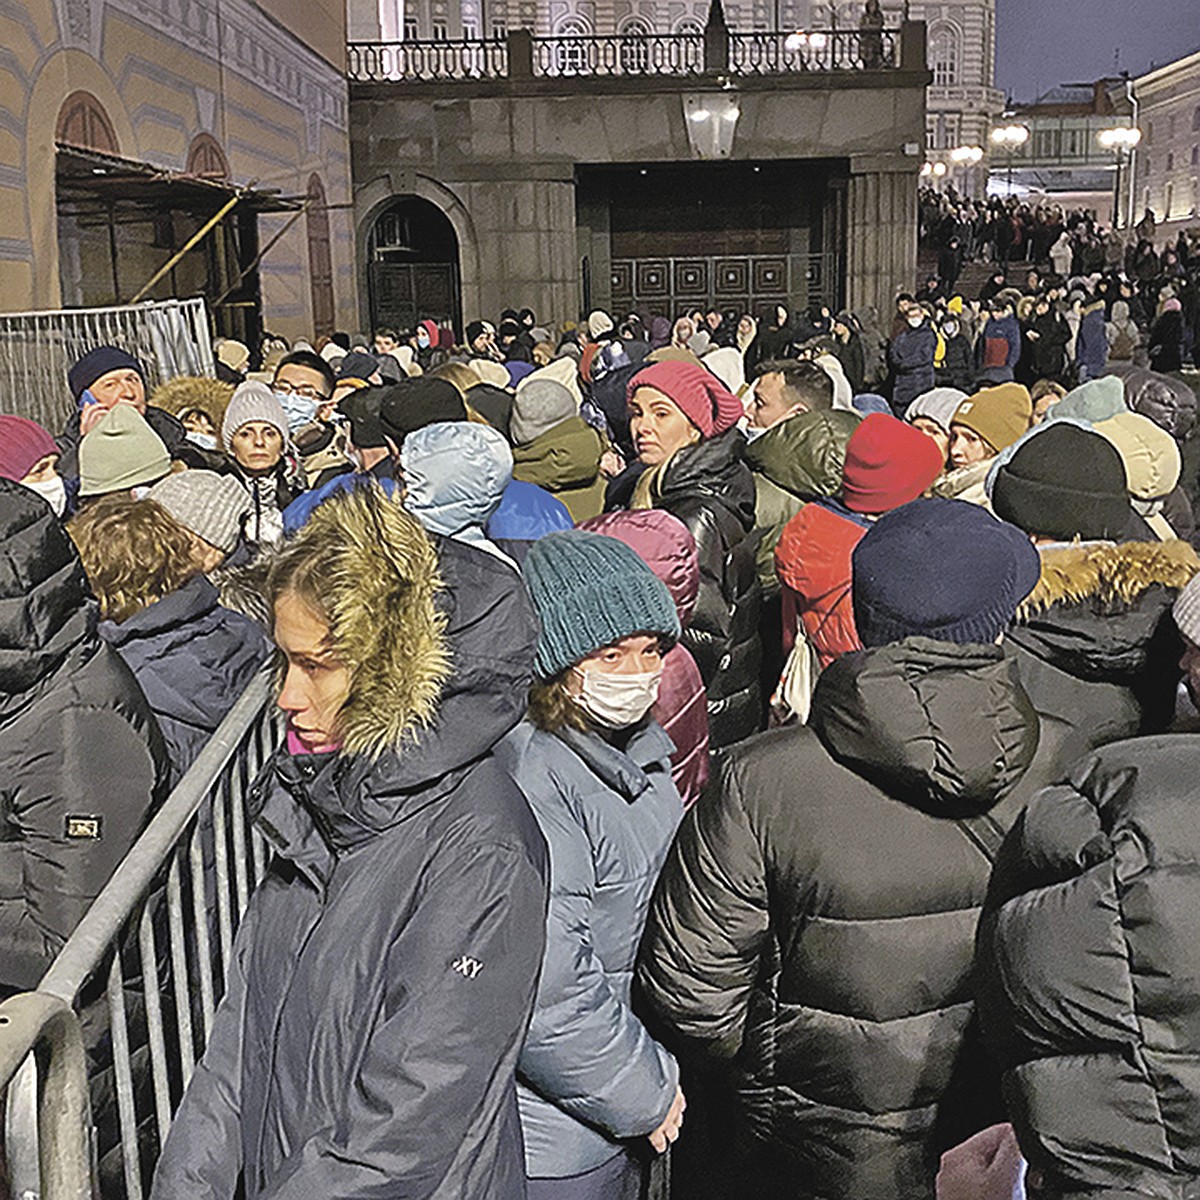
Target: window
[
  {"x": 83, "y": 122},
  {"x": 1169, "y": 203},
  {"x": 571, "y": 53},
  {"x": 1149, "y": 133},
  {"x": 320, "y": 262},
  {"x": 411, "y": 32},
  {"x": 689, "y": 27},
  {"x": 439, "y": 31},
  {"x": 1170, "y": 160},
  {"x": 944, "y": 44},
  {"x": 635, "y": 56},
  {"x": 1195, "y": 155},
  {"x": 206, "y": 159},
  {"x": 499, "y": 30},
  {"x": 1196, "y": 120}
]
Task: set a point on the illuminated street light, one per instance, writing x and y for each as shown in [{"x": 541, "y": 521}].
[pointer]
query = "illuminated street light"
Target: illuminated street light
[
  {"x": 1010, "y": 138},
  {"x": 800, "y": 39},
  {"x": 966, "y": 156},
  {"x": 699, "y": 114},
  {"x": 1122, "y": 140}
]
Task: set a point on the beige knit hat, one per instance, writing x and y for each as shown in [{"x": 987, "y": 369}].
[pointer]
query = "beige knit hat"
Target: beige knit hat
[{"x": 121, "y": 452}]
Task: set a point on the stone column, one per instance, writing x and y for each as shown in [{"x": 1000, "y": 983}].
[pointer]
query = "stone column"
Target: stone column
[{"x": 881, "y": 232}]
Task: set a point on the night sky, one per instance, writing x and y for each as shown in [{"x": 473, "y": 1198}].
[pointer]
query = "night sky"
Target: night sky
[{"x": 1041, "y": 43}]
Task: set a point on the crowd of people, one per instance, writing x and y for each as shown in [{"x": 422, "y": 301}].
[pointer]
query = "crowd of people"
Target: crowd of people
[{"x": 768, "y": 737}]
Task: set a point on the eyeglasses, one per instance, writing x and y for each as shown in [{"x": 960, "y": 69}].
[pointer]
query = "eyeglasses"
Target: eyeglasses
[{"x": 307, "y": 390}]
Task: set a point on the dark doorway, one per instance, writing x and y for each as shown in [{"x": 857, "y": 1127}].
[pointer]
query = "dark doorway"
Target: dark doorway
[
  {"x": 744, "y": 236},
  {"x": 412, "y": 266}
]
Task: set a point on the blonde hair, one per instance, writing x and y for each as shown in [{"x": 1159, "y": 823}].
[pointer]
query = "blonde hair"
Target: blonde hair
[
  {"x": 134, "y": 553},
  {"x": 551, "y": 707},
  {"x": 458, "y": 374}
]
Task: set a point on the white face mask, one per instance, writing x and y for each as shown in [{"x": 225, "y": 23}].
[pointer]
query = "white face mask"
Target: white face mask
[
  {"x": 53, "y": 491},
  {"x": 915, "y": 321},
  {"x": 206, "y": 441},
  {"x": 617, "y": 701}
]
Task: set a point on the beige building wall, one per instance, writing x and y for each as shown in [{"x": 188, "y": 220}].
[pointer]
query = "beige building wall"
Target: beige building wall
[
  {"x": 1167, "y": 166},
  {"x": 165, "y": 72}
]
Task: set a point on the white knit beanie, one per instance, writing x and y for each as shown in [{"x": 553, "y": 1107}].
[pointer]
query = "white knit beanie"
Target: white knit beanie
[
  {"x": 212, "y": 506},
  {"x": 252, "y": 402}
]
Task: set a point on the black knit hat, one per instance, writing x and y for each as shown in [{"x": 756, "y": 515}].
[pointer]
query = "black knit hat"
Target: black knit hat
[
  {"x": 941, "y": 569},
  {"x": 1065, "y": 482},
  {"x": 414, "y": 403},
  {"x": 361, "y": 409}
]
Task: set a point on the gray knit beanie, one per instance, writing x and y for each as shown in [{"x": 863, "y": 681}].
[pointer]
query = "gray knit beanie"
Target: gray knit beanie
[
  {"x": 212, "y": 506},
  {"x": 252, "y": 401},
  {"x": 540, "y": 405},
  {"x": 589, "y": 591},
  {"x": 121, "y": 452}
]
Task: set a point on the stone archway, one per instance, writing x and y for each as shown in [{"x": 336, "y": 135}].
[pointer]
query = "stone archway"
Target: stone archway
[{"x": 373, "y": 199}]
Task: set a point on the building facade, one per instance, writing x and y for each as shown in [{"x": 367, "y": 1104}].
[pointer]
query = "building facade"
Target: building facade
[
  {"x": 961, "y": 103},
  {"x": 130, "y": 124},
  {"x": 1167, "y": 163}
]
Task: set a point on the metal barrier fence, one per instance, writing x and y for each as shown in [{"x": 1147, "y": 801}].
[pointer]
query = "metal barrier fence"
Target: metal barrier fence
[
  {"x": 143, "y": 972},
  {"x": 171, "y": 337}
]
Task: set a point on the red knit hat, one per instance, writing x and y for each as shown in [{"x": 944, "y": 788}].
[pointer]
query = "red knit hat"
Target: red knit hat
[
  {"x": 700, "y": 395},
  {"x": 888, "y": 463},
  {"x": 23, "y": 443}
]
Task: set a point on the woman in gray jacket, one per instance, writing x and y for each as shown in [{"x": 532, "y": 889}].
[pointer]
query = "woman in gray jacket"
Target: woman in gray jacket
[{"x": 596, "y": 771}]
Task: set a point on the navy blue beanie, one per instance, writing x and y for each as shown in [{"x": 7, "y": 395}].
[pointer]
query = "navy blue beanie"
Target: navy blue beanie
[
  {"x": 589, "y": 591},
  {"x": 99, "y": 362},
  {"x": 941, "y": 569}
]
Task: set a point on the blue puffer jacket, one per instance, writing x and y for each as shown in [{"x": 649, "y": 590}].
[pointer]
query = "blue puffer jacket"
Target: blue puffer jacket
[
  {"x": 590, "y": 1074},
  {"x": 192, "y": 659}
]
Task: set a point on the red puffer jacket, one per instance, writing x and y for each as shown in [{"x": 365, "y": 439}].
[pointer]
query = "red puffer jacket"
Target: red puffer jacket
[
  {"x": 666, "y": 545},
  {"x": 812, "y": 560}
]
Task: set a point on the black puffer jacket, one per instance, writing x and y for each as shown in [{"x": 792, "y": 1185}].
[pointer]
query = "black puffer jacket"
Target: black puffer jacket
[
  {"x": 385, "y": 972},
  {"x": 82, "y": 765},
  {"x": 813, "y": 928},
  {"x": 709, "y": 487},
  {"x": 1095, "y": 646},
  {"x": 1087, "y": 966}
]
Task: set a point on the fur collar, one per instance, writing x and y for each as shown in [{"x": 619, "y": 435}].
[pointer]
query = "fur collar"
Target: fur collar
[{"x": 1111, "y": 573}]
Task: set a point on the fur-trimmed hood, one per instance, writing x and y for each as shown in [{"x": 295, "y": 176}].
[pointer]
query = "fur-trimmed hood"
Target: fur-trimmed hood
[
  {"x": 1100, "y": 608},
  {"x": 1116, "y": 575},
  {"x": 438, "y": 684}
]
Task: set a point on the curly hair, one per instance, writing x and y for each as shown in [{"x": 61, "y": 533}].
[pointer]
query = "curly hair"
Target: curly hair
[
  {"x": 134, "y": 553},
  {"x": 551, "y": 707}
]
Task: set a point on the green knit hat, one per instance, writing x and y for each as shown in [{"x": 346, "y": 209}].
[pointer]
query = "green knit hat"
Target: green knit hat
[
  {"x": 121, "y": 452},
  {"x": 589, "y": 591}
]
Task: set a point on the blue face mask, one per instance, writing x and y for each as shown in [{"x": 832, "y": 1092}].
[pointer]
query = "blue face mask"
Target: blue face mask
[
  {"x": 423, "y": 340},
  {"x": 299, "y": 409},
  {"x": 206, "y": 441}
]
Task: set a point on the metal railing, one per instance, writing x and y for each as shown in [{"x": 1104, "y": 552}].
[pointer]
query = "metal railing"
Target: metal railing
[
  {"x": 835, "y": 50},
  {"x": 520, "y": 55},
  {"x": 648, "y": 54},
  {"x": 146, "y": 966},
  {"x": 170, "y": 337},
  {"x": 458, "y": 58}
]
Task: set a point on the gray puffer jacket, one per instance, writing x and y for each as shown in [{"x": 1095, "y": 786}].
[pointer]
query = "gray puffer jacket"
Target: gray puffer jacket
[{"x": 590, "y": 1074}]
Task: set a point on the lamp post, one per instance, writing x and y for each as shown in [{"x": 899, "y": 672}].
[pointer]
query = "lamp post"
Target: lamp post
[
  {"x": 1011, "y": 138},
  {"x": 1122, "y": 140},
  {"x": 967, "y": 157}
]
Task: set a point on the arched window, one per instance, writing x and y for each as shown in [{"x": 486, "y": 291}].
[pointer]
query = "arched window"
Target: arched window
[
  {"x": 320, "y": 261},
  {"x": 635, "y": 56},
  {"x": 571, "y": 53},
  {"x": 206, "y": 158},
  {"x": 944, "y": 52},
  {"x": 690, "y": 27},
  {"x": 82, "y": 122}
]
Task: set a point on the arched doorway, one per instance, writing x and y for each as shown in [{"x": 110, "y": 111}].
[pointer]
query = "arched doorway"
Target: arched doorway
[
  {"x": 412, "y": 266},
  {"x": 82, "y": 122},
  {"x": 206, "y": 158}
]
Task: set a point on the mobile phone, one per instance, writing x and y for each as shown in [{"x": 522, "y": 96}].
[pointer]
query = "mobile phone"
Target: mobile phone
[{"x": 87, "y": 398}]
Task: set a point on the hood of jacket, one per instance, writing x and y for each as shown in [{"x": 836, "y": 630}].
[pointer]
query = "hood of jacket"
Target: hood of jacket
[
  {"x": 713, "y": 471},
  {"x": 567, "y": 456},
  {"x": 197, "y": 597},
  {"x": 805, "y": 454},
  {"x": 1169, "y": 403},
  {"x": 455, "y": 473},
  {"x": 1097, "y": 605},
  {"x": 942, "y": 727},
  {"x": 443, "y": 681},
  {"x": 665, "y": 544},
  {"x": 44, "y": 612}
]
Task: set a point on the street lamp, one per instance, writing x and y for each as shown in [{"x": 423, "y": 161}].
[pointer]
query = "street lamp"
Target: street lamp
[
  {"x": 1122, "y": 140},
  {"x": 1010, "y": 138},
  {"x": 967, "y": 157}
]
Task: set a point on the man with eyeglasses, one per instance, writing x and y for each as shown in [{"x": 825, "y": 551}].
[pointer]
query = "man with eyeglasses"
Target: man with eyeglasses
[{"x": 304, "y": 384}]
